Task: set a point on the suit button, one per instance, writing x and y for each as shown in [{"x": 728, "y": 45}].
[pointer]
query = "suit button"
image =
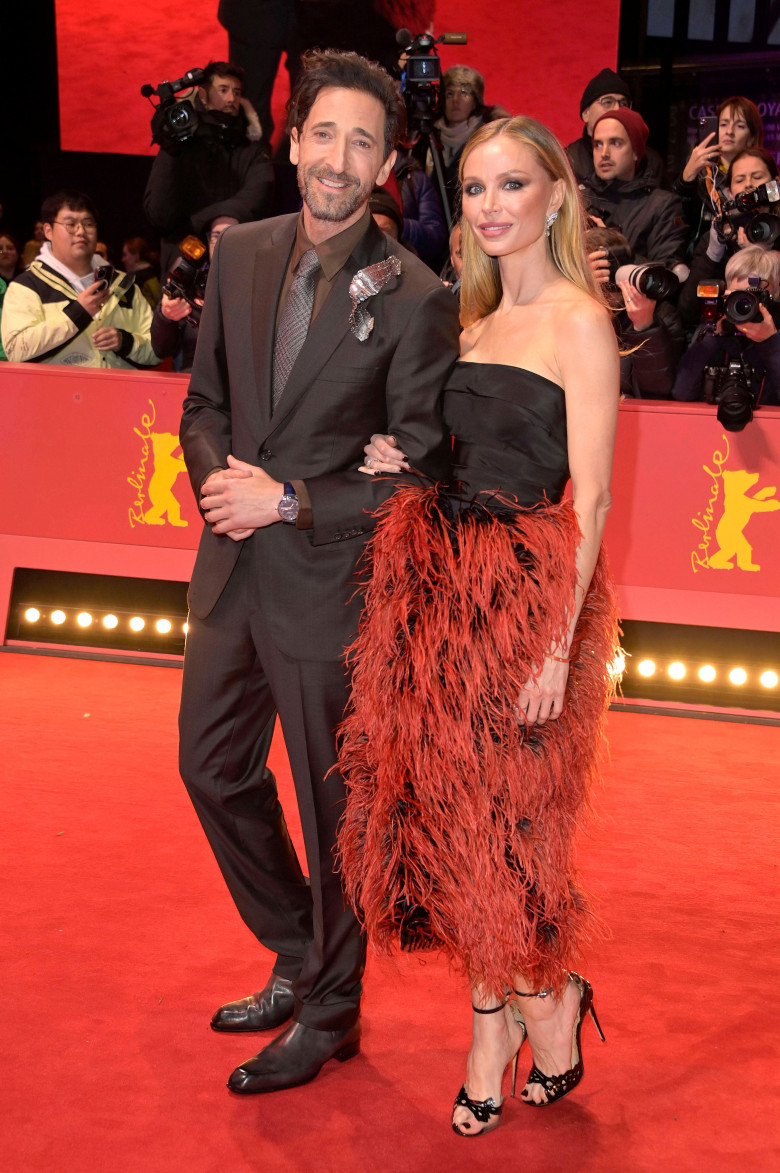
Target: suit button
[{"x": 266, "y": 454}]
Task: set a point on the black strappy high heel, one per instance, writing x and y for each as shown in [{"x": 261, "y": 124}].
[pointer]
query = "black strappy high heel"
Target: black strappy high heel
[
  {"x": 487, "y": 1112},
  {"x": 558, "y": 1086}
]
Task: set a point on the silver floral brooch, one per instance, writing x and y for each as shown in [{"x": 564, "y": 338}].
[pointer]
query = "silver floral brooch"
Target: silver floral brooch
[{"x": 366, "y": 283}]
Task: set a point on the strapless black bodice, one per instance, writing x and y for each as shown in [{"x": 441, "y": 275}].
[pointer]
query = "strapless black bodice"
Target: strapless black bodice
[{"x": 509, "y": 427}]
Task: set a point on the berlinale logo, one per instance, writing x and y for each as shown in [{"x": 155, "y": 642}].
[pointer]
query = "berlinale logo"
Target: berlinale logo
[
  {"x": 730, "y": 499},
  {"x": 155, "y": 500}
]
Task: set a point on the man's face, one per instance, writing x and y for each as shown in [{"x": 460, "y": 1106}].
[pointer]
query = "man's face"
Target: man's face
[
  {"x": 73, "y": 237},
  {"x": 339, "y": 153},
  {"x": 223, "y": 95},
  {"x": 613, "y": 155},
  {"x": 602, "y": 105},
  {"x": 748, "y": 173}
]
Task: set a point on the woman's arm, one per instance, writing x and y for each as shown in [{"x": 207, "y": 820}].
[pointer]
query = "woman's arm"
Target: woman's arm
[{"x": 588, "y": 362}]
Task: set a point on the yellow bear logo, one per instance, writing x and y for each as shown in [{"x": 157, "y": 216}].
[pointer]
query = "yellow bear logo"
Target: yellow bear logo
[
  {"x": 738, "y": 508},
  {"x": 166, "y": 469}
]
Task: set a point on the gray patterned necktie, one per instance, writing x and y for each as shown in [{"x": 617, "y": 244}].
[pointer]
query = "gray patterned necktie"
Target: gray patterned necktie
[{"x": 294, "y": 322}]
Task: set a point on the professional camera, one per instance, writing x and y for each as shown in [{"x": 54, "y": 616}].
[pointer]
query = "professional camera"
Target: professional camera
[
  {"x": 654, "y": 281},
  {"x": 187, "y": 276},
  {"x": 421, "y": 77},
  {"x": 761, "y": 227},
  {"x": 730, "y": 387},
  {"x": 174, "y": 122},
  {"x": 741, "y": 306}
]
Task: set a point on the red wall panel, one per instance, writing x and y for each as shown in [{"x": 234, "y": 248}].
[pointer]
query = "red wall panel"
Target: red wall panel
[{"x": 536, "y": 59}]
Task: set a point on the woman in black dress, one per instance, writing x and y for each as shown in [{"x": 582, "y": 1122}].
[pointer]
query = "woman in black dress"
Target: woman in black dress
[{"x": 484, "y": 664}]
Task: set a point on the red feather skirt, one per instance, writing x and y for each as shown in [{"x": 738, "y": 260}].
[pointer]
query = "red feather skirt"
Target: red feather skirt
[{"x": 459, "y": 820}]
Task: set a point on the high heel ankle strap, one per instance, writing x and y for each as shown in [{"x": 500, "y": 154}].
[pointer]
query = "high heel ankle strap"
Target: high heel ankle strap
[{"x": 490, "y": 1009}]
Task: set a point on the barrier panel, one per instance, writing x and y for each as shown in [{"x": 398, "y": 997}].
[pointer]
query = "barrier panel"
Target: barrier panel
[{"x": 95, "y": 482}]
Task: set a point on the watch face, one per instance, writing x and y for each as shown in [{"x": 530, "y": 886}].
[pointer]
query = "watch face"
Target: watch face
[{"x": 288, "y": 507}]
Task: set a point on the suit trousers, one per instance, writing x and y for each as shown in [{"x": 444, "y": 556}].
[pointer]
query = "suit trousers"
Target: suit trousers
[{"x": 235, "y": 681}]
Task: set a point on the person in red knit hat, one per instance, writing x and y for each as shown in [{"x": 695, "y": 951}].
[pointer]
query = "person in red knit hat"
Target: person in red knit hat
[{"x": 620, "y": 194}]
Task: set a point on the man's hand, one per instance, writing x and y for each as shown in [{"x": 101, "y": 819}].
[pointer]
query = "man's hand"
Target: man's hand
[
  {"x": 94, "y": 297},
  {"x": 759, "y": 331},
  {"x": 174, "y": 308},
  {"x": 240, "y": 499},
  {"x": 106, "y": 338}
]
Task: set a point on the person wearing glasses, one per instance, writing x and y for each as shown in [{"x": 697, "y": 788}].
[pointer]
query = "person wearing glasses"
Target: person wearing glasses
[
  {"x": 605, "y": 92},
  {"x": 463, "y": 112},
  {"x": 57, "y": 311}
]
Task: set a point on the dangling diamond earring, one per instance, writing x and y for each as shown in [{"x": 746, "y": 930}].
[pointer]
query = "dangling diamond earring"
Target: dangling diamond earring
[{"x": 549, "y": 222}]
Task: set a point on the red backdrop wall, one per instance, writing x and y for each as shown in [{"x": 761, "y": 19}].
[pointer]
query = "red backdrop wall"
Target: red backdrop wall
[{"x": 536, "y": 59}]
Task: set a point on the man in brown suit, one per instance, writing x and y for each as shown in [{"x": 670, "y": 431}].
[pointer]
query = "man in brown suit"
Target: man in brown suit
[{"x": 286, "y": 388}]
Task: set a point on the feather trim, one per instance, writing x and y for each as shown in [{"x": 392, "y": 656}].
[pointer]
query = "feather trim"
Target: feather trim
[{"x": 459, "y": 819}]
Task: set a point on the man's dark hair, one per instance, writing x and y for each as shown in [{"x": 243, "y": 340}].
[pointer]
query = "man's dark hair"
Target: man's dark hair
[
  {"x": 221, "y": 69},
  {"x": 75, "y": 200},
  {"x": 346, "y": 71}
]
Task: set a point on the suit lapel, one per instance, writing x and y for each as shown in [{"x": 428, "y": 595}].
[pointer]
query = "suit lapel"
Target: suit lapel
[
  {"x": 331, "y": 324},
  {"x": 270, "y": 265}
]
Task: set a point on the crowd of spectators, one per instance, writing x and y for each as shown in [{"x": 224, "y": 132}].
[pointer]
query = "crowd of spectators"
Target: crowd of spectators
[{"x": 62, "y": 301}]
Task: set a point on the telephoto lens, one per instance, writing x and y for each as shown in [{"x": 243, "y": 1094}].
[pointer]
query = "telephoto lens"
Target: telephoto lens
[{"x": 654, "y": 281}]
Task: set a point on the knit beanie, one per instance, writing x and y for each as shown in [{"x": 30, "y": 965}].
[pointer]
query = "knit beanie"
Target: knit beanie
[
  {"x": 606, "y": 82},
  {"x": 635, "y": 126}
]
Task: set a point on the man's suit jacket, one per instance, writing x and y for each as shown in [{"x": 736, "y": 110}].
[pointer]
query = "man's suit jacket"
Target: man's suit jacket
[{"x": 338, "y": 393}]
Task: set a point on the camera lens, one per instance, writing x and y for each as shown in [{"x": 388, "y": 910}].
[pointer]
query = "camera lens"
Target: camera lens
[
  {"x": 179, "y": 117},
  {"x": 735, "y": 410},
  {"x": 742, "y": 306},
  {"x": 763, "y": 229}
]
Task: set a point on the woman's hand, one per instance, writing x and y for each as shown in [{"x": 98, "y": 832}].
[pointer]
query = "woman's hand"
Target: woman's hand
[
  {"x": 383, "y": 455},
  {"x": 599, "y": 263},
  {"x": 541, "y": 698},
  {"x": 639, "y": 308},
  {"x": 703, "y": 154}
]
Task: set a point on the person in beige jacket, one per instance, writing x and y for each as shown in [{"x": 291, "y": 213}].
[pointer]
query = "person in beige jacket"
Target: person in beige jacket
[{"x": 56, "y": 312}]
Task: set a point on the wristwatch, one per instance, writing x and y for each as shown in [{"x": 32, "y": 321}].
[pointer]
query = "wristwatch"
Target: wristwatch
[{"x": 289, "y": 505}]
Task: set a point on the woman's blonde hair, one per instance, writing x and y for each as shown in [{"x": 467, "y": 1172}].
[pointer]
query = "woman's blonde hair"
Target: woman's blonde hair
[{"x": 481, "y": 289}]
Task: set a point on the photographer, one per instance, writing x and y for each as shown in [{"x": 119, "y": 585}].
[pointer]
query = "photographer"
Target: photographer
[
  {"x": 64, "y": 309},
  {"x": 748, "y": 171},
  {"x": 176, "y": 319},
  {"x": 219, "y": 176},
  {"x": 622, "y": 196},
  {"x": 463, "y": 95},
  {"x": 757, "y": 342},
  {"x": 649, "y": 330},
  {"x": 739, "y": 129}
]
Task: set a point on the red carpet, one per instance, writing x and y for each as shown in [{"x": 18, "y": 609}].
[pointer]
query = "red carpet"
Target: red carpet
[{"x": 120, "y": 941}]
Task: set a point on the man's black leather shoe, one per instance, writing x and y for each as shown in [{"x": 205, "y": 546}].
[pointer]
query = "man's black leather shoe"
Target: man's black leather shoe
[
  {"x": 294, "y": 1057},
  {"x": 271, "y": 1007}
]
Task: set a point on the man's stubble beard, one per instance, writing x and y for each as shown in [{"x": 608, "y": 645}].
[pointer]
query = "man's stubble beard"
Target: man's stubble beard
[{"x": 335, "y": 208}]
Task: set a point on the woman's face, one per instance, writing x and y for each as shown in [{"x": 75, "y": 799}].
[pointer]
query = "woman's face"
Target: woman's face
[
  {"x": 459, "y": 103},
  {"x": 507, "y": 196},
  {"x": 129, "y": 259},
  {"x": 9, "y": 257},
  {"x": 748, "y": 173},
  {"x": 733, "y": 133}
]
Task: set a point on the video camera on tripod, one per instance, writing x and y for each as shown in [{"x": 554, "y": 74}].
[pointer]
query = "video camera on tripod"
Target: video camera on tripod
[{"x": 421, "y": 90}]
